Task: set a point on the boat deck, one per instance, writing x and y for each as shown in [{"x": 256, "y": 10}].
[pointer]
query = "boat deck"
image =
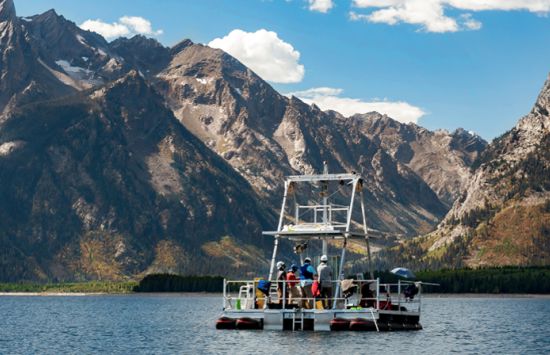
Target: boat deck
[{"x": 250, "y": 309}]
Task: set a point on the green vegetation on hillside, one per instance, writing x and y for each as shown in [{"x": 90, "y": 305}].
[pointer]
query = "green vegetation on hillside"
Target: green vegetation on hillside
[
  {"x": 178, "y": 283},
  {"x": 72, "y": 287},
  {"x": 511, "y": 279}
]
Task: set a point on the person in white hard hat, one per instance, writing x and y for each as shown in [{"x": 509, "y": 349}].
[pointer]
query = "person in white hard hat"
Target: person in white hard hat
[{"x": 325, "y": 279}]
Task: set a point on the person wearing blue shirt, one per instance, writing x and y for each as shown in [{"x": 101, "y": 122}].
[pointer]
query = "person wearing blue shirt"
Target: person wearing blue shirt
[{"x": 307, "y": 275}]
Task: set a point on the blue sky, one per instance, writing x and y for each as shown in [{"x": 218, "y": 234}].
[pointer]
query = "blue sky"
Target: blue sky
[{"x": 482, "y": 75}]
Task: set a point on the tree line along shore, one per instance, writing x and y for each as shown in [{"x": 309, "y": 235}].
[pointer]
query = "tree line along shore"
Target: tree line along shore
[{"x": 502, "y": 280}]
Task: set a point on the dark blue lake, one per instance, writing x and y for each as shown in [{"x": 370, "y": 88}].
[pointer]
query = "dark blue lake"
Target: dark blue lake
[{"x": 185, "y": 324}]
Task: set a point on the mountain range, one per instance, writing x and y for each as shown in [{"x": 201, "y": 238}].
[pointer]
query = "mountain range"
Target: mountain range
[
  {"x": 502, "y": 216},
  {"x": 123, "y": 158}
]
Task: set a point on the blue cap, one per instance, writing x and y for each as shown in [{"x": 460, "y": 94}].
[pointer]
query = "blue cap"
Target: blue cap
[{"x": 293, "y": 267}]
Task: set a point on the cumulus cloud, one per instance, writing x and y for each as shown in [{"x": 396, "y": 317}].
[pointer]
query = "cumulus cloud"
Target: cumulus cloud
[
  {"x": 329, "y": 99},
  {"x": 431, "y": 15},
  {"x": 320, "y": 5},
  {"x": 265, "y": 53},
  {"x": 126, "y": 26}
]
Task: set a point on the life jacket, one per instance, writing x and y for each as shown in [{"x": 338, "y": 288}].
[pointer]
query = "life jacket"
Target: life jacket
[
  {"x": 305, "y": 274},
  {"x": 316, "y": 289},
  {"x": 291, "y": 278}
]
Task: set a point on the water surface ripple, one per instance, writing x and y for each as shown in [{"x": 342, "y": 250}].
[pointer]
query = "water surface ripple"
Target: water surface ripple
[{"x": 154, "y": 324}]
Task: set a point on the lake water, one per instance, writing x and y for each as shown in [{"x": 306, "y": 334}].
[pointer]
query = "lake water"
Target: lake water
[{"x": 185, "y": 324}]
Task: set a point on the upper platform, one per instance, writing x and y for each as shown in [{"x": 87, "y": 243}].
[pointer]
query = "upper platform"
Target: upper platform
[
  {"x": 319, "y": 219},
  {"x": 323, "y": 177}
]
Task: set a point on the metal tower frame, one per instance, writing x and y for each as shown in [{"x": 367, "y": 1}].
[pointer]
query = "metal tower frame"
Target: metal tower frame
[{"x": 325, "y": 230}]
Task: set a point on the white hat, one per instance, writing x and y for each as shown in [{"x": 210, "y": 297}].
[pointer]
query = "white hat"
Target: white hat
[
  {"x": 324, "y": 259},
  {"x": 280, "y": 264}
]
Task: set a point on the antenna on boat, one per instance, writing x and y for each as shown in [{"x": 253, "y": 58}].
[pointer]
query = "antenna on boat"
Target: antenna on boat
[{"x": 325, "y": 214}]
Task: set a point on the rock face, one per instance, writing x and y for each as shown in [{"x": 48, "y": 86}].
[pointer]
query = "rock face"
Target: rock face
[
  {"x": 105, "y": 181},
  {"x": 265, "y": 136},
  {"x": 24, "y": 78},
  {"x": 503, "y": 217},
  {"x": 141, "y": 53},
  {"x": 442, "y": 159}
]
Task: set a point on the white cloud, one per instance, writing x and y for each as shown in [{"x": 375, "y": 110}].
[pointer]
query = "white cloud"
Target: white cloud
[
  {"x": 470, "y": 23},
  {"x": 329, "y": 99},
  {"x": 126, "y": 26},
  {"x": 265, "y": 53},
  {"x": 430, "y": 14},
  {"x": 139, "y": 25},
  {"x": 321, "y": 5}
]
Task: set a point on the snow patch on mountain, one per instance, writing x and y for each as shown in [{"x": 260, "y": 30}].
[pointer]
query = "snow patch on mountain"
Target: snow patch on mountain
[
  {"x": 205, "y": 81},
  {"x": 9, "y": 147},
  {"x": 69, "y": 69}
]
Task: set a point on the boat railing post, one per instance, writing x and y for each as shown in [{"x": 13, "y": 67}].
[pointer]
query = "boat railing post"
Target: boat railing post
[
  {"x": 366, "y": 231},
  {"x": 254, "y": 297},
  {"x": 419, "y": 297},
  {"x": 377, "y": 293},
  {"x": 224, "y": 293},
  {"x": 338, "y": 293},
  {"x": 399, "y": 295},
  {"x": 279, "y": 228},
  {"x": 284, "y": 294}
]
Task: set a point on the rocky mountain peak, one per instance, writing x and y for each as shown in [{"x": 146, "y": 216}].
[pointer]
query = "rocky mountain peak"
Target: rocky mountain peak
[
  {"x": 51, "y": 21},
  {"x": 144, "y": 54},
  {"x": 542, "y": 105},
  {"x": 131, "y": 87},
  {"x": 181, "y": 46},
  {"x": 469, "y": 143},
  {"x": 7, "y": 10},
  {"x": 51, "y": 14},
  {"x": 139, "y": 41},
  {"x": 51, "y": 26},
  {"x": 530, "y": 131}
]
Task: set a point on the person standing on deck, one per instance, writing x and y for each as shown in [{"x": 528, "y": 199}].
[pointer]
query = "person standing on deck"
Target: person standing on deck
[
  {"x": 307, "y": 275},
  {"x": 325, "y": 279},
  {"x": 281, "y": 279},
  {"x": 294, "y": 291}
]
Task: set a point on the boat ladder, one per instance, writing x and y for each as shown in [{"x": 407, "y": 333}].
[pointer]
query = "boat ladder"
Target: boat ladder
[
  {"x": 298, "y": 321},
  {"x": 374, "y": 320}
]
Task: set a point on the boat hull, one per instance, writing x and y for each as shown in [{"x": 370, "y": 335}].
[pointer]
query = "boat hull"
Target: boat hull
[{"x": 320, "y": 320}]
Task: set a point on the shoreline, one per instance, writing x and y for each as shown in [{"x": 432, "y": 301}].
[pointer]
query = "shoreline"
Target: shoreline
[
  {"x": 84, "y": 294},
  {"x": 53, "y": 294},
  {"x": 215, "y": 294},
  {"x": 486, "y": 295}
]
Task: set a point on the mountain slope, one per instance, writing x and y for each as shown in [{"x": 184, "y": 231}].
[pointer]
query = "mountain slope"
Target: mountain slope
[
  {"x": 23, "y": 76},
  {"x": 262, "y": 134},
  {"x": 128, "y": 157},
  {"x": 442, "y": 159},
  {"x": 112, "y": 184},
  {"x": 265, "y": 136},
  {"x": 503, "y": 217}
]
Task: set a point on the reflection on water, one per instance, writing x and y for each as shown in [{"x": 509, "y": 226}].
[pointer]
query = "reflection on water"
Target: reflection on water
[{"x": 185, "y": 324}]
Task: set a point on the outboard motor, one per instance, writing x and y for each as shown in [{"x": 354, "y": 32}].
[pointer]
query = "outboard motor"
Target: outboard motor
[{"x": 411, "y": 291}]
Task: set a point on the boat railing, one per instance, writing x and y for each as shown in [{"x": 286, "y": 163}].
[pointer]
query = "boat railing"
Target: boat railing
[
  {"x": 397, "y": 296},
  {"x": 244, "y": 295},
  {"x": 321, "y": 214}
]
